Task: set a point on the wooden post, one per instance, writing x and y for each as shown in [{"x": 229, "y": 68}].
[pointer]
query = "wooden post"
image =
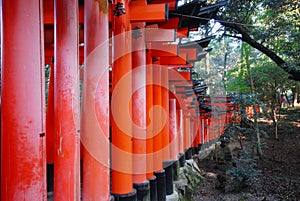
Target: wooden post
[
  {"x": 165, "y": 106},
  {"x": 139, "y": 142},
  {"x": 120, "y": 106},
  {"x": 173, "y": 130},
  {"x": 149, "y": 114},
  {"x": 66, "y": 101},
  {"x": 95, "y": 103},
  {"x": 157, "y": 131},
  {"x": 150, "y": 124},
  {"x": 23, "y": 145}
]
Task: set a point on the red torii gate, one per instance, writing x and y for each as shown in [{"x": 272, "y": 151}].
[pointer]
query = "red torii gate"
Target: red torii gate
[{"x": 23, "y": 84}]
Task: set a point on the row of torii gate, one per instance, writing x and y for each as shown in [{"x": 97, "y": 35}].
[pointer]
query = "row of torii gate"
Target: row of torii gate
[{"x": 138, "y": 111}]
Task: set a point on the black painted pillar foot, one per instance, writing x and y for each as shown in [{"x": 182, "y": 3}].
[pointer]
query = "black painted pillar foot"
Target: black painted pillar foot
[
  {"x": 181, "y": 159},
  {"x": 168, "y": 166},
  {"x": 142, "y": 191},
  {"x": 153, "y": 189},
  {"x": 161, "y": 185},
  {"x": 50, "y": 177},
  {"x": 126, "y": 197},
  {"x": 176, "y": 171},
  {"x": 188, "y": 154},
  {"x": 194, "y": 151}
]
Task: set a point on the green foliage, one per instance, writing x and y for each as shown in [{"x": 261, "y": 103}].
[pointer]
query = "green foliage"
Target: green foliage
[
  {"x": 273, "y": 24},
  {"x": 245, "y": 169},
  {"x": 236, "y": 82},
  {"x": 244, "y": 100}
]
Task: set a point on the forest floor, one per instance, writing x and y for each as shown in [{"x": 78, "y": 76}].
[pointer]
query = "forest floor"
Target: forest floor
[{"x": 275, "y": 177}]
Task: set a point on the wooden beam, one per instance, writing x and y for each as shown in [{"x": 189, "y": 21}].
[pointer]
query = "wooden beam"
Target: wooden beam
[
  {"x": 160, "y": 35},
  {"x": 160, "y": 49},
  {"x": 191, "y": 53},
  {"x": 182, "y": 59},
  {"x": 183, "y": 32},
  {"x": 149, "y": 13}
]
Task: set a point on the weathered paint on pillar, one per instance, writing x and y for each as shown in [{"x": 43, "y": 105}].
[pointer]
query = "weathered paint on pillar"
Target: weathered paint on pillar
[
  {"x": 202, "y": 141},
  {"x": 121, "y": 108},
  {"x": 66, "y": 101},
  {"x": 149, "y": 114},
  {"x": 95, "y": 102},
  {"x": 23, "y": 175},
  {"x": 192, "y": 131},
  {"x": 139, "y": 103},
  {"x": 180, "y": 126},
  {"x": 158, "y": 119},
  {"x": 206, "y": 129},
  {"x": 173, "y": 130},
  {"x": 196, "y": 131},
  {"x": 165, "y": 105},
  {"x": 187, "y": 132}
]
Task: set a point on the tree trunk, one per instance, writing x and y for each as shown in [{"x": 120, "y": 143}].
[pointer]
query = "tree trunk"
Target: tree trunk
[
  {"x": 275, "y": 122},
  {"x": 247, "y": 63},
  {"x": 295, "y": 91},
  {"x": 225, "y": 63},
  {"x": 246, "y": 55}
]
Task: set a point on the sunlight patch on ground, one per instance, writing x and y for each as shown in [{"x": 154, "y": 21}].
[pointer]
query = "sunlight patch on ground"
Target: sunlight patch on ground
[
  {"x": 296, "y": 123},
  {"x": 265, "y": 120},
  {"x": 211, "y": 174}
]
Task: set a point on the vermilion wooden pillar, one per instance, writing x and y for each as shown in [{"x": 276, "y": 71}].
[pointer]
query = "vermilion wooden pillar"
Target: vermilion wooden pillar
[
  {"x": 139, "y": 142},
  {"x": 120, "y": 106},
  {"x": 187, "y": 132},
  {"x": 202, "y": 122},
  {"x": 149, "y": 114},
  {"x": 173, "y": 130},
  {"x": 150, "y": 124},
  {"x": 206, "y": 128},
  {"x": 165, "y": 105},
  {"x": 95, "y": 103},
  {"x": 196, "y": 131},
  {"x": 180, "y": 125},
  {"x": 157, "y": 116},
  {"x": 66, "y": 101},
  {"x": 139, "y": 102},
  {"x": 23, "y": 172}
]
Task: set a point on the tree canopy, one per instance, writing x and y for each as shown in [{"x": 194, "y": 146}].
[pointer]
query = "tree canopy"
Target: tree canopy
[{"x": 270, "y": 26}]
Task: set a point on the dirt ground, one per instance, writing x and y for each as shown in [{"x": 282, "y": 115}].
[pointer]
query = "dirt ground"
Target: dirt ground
[{"x": 275, "y": 177}]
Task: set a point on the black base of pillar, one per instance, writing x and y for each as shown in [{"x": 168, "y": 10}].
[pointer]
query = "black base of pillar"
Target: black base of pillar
[
  {"x": 125, "y": 197},
  {"x": 50, "y": 177},
  {"x": 176, "y": 166},
  {"x": 199, "y": 147},
  {"x": 181, "y": 159},
  {"x": 194, "y": 150},
  {"x": 142, "y": 191},
  {"x": 168, "y": 166},
  {"x": 161, "y": 185},
  {"x": 153, "y": 188},
  {"x": 188, "y": 154}
]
